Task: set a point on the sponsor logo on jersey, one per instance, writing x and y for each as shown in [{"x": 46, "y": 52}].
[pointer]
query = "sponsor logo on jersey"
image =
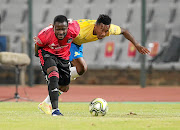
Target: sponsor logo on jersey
[{"x": 53, "y": 46}]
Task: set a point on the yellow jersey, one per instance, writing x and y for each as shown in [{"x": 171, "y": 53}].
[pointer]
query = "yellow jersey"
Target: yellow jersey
[{"x": 86, "y": 31}]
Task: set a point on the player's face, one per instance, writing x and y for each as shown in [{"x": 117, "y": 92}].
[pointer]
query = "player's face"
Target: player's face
[
  {"x": 60, "y": 29},
  {"x": 101, "y": 30}
]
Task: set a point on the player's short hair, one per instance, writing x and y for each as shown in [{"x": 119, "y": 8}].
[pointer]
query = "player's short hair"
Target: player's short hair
[
  {"x": 61, "y": 19},
  {"x": 103, "y": 18}
]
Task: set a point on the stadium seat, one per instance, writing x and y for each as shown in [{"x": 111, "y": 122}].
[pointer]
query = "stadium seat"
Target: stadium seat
[
  {"x": 96, "y": 8},
  {"x": 90, "y": 52},
  {"x": 161, "y": 17},
  {"x": 168, "y": 34},
  {"x": 175, "y": 24},
  {"x": 119, "y": 11},
  {"x": 3, "y": 15},
  {"x": 172, "y": 15},
  {"x": 45, "y": 15},
  {"x": 150, "y": 15},
  {"x": 24, "y": 16},
  {"x": 38, "y": 10},
  {"x": 12, "y": 14},
  {"x": 75, "y": 12},
  {"x": 125, "y": 61},
  {"x": 4, "y": 2},
  {"x": 104, "y": 59},
  {"x": 135, "y": 24},
  {"x": 49, "y": 1},
  {"x": 56, "y": 7}
]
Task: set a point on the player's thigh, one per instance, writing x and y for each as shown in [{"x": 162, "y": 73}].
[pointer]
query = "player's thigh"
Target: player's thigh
[
  {"x": 48, "y": 62},
  {"x": 64, "y": 72},
  {"x": 49, "y": 66}
]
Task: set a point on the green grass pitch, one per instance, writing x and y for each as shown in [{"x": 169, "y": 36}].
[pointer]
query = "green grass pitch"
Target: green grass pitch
[{"x": 26, "y": 116}]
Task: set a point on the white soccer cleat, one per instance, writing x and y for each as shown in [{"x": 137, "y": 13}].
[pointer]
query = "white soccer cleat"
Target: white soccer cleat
[{"x": 45, "y": 107}]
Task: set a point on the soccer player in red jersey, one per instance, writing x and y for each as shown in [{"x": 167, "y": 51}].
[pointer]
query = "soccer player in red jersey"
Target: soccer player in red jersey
[{"x": 53, "y": 48}]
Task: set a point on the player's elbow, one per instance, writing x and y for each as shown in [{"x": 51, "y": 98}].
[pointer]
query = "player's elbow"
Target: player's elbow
[
  {"x": 36, "y": 54},
  {"x": 124, "y": 31}
]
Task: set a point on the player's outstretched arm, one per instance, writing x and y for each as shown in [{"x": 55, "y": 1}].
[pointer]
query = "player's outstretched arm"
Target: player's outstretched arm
[{"x": 127, "y": 35}]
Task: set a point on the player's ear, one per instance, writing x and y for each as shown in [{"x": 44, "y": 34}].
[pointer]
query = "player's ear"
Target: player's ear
[
  {"x": 95, "y": 26},
  {"x": 53, "y": 27}
]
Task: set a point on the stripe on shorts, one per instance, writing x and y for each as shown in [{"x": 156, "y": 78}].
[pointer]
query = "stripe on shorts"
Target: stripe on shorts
[{"x": 41, "y": 57}]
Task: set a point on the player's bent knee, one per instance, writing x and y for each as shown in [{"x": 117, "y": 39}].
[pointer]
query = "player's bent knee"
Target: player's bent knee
[
  {"x": 52, "y": 74},
  {"x": 52, "y": 68},
  {"x": 82, "y": 70},
  {"x": 64, "y": 88}
]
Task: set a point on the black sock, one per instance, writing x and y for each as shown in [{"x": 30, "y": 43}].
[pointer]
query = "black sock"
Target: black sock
[{"x": 53, "y": 88}]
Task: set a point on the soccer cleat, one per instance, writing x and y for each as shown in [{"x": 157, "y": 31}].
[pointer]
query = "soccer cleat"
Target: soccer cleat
[
  {"x": 57, "y": 113},
  {"x": 45, "y": 107}
]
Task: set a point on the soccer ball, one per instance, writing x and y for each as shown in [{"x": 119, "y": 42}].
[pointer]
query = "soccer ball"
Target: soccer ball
[{"x": 98, "y": 107}]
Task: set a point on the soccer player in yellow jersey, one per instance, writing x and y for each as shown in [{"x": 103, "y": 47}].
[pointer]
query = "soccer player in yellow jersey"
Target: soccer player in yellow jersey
[{"x": 91, "y": 30}]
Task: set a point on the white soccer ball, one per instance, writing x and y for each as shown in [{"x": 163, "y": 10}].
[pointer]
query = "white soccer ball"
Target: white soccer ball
[{"x": 98, "y": 107}]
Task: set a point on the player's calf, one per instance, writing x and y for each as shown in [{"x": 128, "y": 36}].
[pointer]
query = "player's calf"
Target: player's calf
[{"x": 53, "y": 77}]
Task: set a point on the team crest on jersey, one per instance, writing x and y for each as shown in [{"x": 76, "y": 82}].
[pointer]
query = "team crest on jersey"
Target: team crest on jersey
[{"x": 69, "y": 40}]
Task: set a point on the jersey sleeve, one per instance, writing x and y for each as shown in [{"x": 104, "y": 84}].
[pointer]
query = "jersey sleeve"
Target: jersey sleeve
[
  {"x": 75, "y": 29},
  {"x": 42, "y": 37},
  {"x": 114, "y": 30}
]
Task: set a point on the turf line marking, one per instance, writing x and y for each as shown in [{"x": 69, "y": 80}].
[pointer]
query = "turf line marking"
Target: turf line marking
[{"x": 125, "y": 102}]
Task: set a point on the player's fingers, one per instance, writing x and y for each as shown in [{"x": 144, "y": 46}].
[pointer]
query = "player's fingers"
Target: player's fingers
[
  {"x": 144, "y": 51},
  {"x": 141, "y": 51},
  {"x": 147, "y": 51}
]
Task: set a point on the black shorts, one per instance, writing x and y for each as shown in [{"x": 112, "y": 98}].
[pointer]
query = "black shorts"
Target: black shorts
[{"x": 47, "y": 60}]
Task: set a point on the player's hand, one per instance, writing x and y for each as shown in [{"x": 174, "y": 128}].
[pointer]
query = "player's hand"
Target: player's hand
[
  {"x": 35, "y": 39},
  {"x": 142, "y": 49}
]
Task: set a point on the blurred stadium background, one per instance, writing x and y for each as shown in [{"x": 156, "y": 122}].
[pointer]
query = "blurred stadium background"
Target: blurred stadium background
[{"x": 112, "y": 60}]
